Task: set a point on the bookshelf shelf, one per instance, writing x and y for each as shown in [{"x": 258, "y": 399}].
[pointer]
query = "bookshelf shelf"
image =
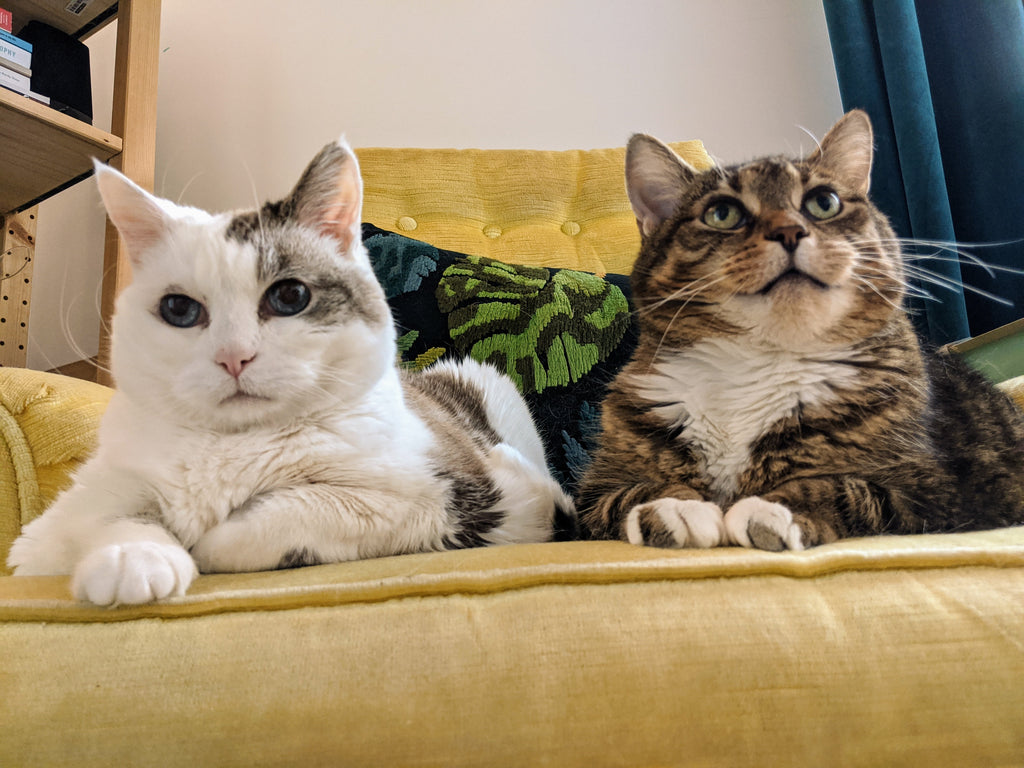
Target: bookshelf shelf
[{"x": 44, "y": 151}]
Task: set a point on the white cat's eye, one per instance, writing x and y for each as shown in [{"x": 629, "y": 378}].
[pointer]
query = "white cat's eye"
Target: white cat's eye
[
  {"x": 285, "y": 298},
  {"x": 724, "y": 214},
  {"x": 181, "y": 311},
  {"x": 823, "y": 203}
]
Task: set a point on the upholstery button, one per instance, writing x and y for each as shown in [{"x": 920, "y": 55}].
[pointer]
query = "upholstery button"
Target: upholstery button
[
  {"x": 492, "y": 231},
  {"x": 571, "y": 228},
  {"x": 407, "y": 224}
]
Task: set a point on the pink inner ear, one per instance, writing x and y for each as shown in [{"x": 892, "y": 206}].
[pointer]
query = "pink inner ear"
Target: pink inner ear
[
  {"x": 337, "y": 222},
  {"x": 340, "y": 217}
]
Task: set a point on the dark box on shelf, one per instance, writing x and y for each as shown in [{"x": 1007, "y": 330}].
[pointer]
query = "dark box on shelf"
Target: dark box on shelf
[{"x": 60, "y": 69}]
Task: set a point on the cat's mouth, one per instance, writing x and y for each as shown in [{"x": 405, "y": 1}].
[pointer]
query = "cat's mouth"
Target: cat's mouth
[
  {"x": 792, "y": 276},
  {"x": 241, "y": 397}
]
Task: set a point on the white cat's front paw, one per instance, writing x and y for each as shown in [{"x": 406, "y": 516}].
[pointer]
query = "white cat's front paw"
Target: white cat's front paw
[
  {"x": 671, "y": 522},
  {"x": 758, "y": 524},
  {"x": 133, "y": 572}
]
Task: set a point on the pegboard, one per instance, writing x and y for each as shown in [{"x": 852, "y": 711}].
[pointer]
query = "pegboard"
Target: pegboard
[{"x": 17, "y": 256}]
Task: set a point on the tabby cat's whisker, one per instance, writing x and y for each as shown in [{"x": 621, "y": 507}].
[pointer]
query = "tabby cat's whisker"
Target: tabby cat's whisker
[
  {"x": 991, "y": 269},
  {"x": 944, "y": 281},
  {"x": 693, "y": 289},
  {"x": 952, "y": 247},
  {"x": 912, "y": 289},
  {"x": 687, "y": 292}
]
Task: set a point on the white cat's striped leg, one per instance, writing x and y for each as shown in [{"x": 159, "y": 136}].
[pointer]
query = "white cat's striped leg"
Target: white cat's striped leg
[
  {"x": 758, "y": 524},
  {"x": 677, "y": 523}
]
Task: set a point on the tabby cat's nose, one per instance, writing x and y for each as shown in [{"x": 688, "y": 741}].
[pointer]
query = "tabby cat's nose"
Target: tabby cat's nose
[{"x": 789, "y": 235}]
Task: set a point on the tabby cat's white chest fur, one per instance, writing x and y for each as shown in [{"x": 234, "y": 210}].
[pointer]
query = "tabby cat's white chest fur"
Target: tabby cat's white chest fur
[{"x": 724, "y": 395}]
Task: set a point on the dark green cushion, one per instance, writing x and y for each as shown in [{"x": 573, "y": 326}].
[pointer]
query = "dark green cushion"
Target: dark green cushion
[{"x": 561, "y": 334}]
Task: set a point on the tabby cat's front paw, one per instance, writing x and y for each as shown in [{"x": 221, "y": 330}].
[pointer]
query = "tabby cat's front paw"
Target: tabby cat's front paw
[
  {"x": 675, "y": 523},
  {"x": 758, "y": 524},
  {"x": 133, "y": 572}
]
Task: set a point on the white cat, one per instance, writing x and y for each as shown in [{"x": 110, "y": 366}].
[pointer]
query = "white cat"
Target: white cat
[{"x": 261, "y": 420}]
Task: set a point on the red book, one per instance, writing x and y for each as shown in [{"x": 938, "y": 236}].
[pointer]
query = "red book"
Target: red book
[{"x": 5, "y": 20}]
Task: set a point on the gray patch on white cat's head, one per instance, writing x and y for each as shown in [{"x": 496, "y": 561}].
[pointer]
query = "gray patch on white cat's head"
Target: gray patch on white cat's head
[{"x": 342, "y": 288}]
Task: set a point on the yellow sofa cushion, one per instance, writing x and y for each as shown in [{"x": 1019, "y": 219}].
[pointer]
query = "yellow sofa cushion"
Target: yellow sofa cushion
[{"x": 883, "y": 651}]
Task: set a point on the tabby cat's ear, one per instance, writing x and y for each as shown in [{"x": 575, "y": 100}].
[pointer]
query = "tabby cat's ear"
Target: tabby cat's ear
[
  {"x": 656, "y": 178},
  {"x": 847, "y": 150},
  {"x": 329, "y": 196},
  {"x": 139, "y": 216}
]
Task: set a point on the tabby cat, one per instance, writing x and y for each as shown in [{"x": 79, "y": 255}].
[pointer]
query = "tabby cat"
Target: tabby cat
[
  {"x": 777, "y": 377},
  {"x": 261, "y": 420}
]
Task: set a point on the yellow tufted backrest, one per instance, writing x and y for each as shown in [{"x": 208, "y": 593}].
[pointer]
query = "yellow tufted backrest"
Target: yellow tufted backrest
[{"x": 549, "y": 209}]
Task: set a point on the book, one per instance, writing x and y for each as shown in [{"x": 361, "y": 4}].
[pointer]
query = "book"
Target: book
[
  {"x": 15, "y": 49},
  {"x": 15, "y": 81},
  {"x": 16, "y": 67},
  {"x": 5, "y": 20}
]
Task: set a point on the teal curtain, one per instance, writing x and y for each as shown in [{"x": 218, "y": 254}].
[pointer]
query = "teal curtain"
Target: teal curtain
[{"x": 943, "y": 82}]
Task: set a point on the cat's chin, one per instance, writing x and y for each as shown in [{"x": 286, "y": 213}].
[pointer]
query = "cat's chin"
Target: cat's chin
[
  {"x": 242, "y": 412},
  {"x": 795, "y": 311}
]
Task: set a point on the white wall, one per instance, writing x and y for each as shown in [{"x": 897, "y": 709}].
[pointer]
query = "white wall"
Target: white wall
[{"x": 251, "y": 89}]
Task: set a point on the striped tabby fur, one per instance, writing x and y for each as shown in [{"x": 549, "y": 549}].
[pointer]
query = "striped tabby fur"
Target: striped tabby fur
[{"x": 778, "y": 397}]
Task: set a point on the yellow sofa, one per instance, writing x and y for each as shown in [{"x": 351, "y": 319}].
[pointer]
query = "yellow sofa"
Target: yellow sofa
[{"x": 869, "y": 652}]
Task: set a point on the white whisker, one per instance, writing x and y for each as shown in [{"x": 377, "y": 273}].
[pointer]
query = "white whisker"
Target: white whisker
[{"x": 944, "y": 281}]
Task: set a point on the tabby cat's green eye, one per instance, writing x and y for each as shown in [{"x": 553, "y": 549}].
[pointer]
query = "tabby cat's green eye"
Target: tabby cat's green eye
[
  {"x": 822, "y": 204},
  {"x": 725, "y": 214}
]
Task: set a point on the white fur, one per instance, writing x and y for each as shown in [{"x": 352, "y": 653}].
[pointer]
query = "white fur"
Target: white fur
[
  {"x": 725, "y": 393},
  {"x": 321, "y": 454}
]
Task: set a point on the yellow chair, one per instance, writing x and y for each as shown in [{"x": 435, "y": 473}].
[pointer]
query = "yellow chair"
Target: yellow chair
[{"x": 881, "y": 651}]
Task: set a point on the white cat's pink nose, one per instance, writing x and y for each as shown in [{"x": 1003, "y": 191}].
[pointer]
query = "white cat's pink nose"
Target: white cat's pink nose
[{"x": 233, "y": 360}]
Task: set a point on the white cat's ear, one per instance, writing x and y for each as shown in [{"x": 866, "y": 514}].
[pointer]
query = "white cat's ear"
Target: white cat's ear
[
  {"x": 138, "y": 215},
  {"x": 329, "y": 196},
  {"x": 656, "y": 178},
  {"x": 847, "y": 150}
]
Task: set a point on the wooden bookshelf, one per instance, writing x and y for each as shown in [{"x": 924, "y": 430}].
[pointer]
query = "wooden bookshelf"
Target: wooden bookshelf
[{"x": 45, "y": 151}]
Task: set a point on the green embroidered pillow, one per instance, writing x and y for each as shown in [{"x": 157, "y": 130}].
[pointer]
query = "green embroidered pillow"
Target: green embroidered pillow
[{"x": 561, "y": 334}]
